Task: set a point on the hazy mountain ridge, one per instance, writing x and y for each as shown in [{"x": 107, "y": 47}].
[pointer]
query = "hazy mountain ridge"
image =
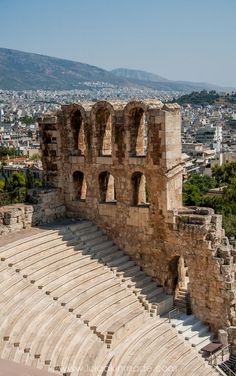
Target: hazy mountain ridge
[
  {"x": 154, "y": 81},
  {"x": 136, "y": 74},
  {"x": 28, "y": 71},
  {"x": 22, "y": 70}
]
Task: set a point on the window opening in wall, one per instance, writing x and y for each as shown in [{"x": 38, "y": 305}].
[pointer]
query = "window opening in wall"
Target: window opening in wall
[
  {"x": 104, "y": 132},
  {"x": 49, "y": 127},
  {"x": 107, "y": 188},
  {"x": 139, "y": 189},
  {"x": 138, "y": 133},
  {"x": 77, "y": 126},
  {"x": 79, "y": 186},
  {"x": 47, "y": 138}
]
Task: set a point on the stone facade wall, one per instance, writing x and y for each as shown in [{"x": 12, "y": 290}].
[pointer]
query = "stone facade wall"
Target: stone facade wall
[
  {"x": 45, "y": 207},
  {"x": 119, "y": 164}
]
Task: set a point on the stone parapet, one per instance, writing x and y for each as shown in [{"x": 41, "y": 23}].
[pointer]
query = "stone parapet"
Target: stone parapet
[{"x": 44, "y": 207}]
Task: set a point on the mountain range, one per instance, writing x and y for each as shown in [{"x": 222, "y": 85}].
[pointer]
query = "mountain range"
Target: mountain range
[{"x": 29, "y": 71}]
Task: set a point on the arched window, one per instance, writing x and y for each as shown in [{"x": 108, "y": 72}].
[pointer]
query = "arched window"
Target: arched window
[
  {"x": 139, "y": 189},
  {"x": 49, "y": 127},
  {"x": 77, "y": 126},
  {"x": 107, "y": 187},
  {"x": 104, "y": 132},
  {"x": 138, "y": 132},
  {"x": 79, "y": 186},
  {"x": 47, "y": 138}
]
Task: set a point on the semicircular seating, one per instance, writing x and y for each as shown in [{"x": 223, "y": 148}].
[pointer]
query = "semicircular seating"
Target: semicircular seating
[{"x": 74, "y": 304}]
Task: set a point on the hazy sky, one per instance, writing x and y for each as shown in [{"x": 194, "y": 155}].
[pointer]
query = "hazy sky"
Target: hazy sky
[{"x": 191, "y": 40}]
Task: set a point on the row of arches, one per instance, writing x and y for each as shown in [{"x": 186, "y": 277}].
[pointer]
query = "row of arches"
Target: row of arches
[
  {"x": 107, "y": 188},
  {"x": 137, "y": 125}
]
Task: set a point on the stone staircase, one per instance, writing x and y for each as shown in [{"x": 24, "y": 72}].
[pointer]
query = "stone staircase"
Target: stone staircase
[
  {"x": 181, "y": 299},
  {"x": 156, "y": 349},
  {"x": 192, "y": 330},
  {"x": 100, "y": 248},
  {"x": 72, "y": 302}
]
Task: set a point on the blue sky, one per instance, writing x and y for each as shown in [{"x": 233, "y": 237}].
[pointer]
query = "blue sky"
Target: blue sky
[{"x": 191, "y": 40}]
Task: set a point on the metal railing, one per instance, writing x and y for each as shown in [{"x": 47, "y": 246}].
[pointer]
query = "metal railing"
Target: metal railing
[
  {"x": 229, "y": 371},
  {"x": 173, "y": 313},
  {"x": 218, "y": 356}
]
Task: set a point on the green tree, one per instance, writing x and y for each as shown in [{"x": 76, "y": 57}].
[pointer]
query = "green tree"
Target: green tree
[
  {"x": 35, "y": 157},
  {"x": 195, "y": 189},
  {"x": 7, "y": 152},
  {"x": 2, "y": 184},
  {"x": 203, "y": 182},
  {"x": 27, "y": 120},
  {"x": 225, "y": 173},
  {"x": 18, "y": 180},
  {"x": 191, "y": 194}
]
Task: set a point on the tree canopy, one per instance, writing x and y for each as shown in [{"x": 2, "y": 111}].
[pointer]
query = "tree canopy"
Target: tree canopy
[
  {"x": 195, "y": 193},
  {"x": 203, "y": 97}
]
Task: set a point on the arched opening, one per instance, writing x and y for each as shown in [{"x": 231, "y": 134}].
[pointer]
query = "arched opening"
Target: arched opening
[
  {"x": 77, "y": 126},
  {"x": 49, "y": 127},
  {"x": 138, "y": 132},
  {"x": 79, "y": 186},
  {"x": 139, "y": 189},
  {"x": 104, "y": 132},
  {"x": 107, "y": 187},
  {"x": 47, "y": 138},
  {"x": 177, "y": 281}
]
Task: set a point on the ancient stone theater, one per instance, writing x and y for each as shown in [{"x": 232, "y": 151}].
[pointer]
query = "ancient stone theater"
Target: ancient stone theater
[{"x": 109, "y": 274}]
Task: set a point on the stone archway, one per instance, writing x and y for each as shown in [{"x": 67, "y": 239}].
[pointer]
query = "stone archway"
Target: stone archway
[
  {"x": 78, "y": 135},
  {"x": 177, "y": 275},
  {"x": 79, "y": 186}
]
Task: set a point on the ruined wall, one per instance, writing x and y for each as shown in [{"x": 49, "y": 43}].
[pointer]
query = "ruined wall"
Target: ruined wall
[
  {"x": 45, "y": 206},
  {"x": 119, "y": 164}
]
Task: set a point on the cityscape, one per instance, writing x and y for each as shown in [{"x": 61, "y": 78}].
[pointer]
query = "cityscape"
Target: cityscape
[
  {"x": 117, "y": 188},
  {"x": 208, "y": 132}
]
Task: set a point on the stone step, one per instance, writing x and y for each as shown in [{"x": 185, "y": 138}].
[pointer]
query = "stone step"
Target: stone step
[
  {"x": 150, "y": 288},
  {"x": 118, "y": 261},
  {"x": 85, "y": 230},
  {"x": 130, "y": 273},
  {"x": 141, "y": 282},
  {"x": 44, "y": 254},
  {"x": 78, "y": 282},
  {"x": 97, "y": 244},
  {"x": 41, "y": 236},
  {"x": 137, "y": 276},
  {"x": 80, "y": 225},
  {"x": 206, "y": 342},
  {"x": 123, "y": 267},
  {"x": 202, "y": 336},
  {"x": 88, "y": 237},
  {"x": 187, "y": 324},
  {"x": 195, "y": 330},
  {"x": 97, "y": 241},
  {"x": 152, "y": 295},
  {"x": 112, "y": 256},
  {"x": 101, "y": 246},
  {"x": 33, "y": 247},
  {"x": 184, "y": 318},
  {"x": 105, "y": 252},
  {"x": 74, "y": 300},
  {"x": 61, "y": 268},
  {"x": 181, "y": 295}
]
